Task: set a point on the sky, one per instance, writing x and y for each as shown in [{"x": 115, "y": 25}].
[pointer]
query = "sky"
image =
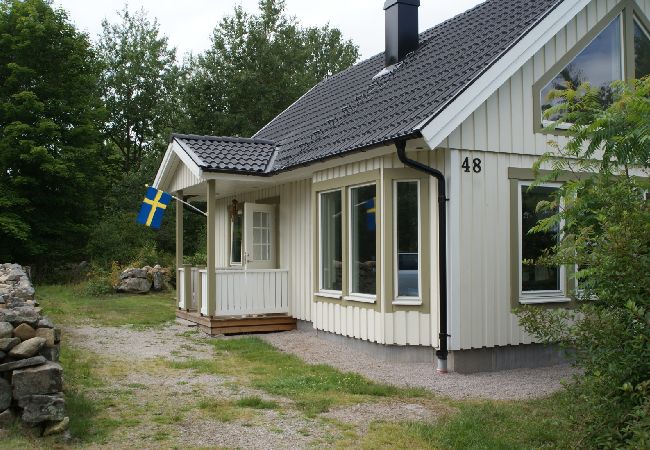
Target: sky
[{"x": 189, "y": 23}]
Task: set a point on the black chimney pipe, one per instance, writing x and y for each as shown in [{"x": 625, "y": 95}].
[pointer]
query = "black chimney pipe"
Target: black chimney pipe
[
  {"x": 443, "y": 334},
  {"x": 401, "y": 29}
]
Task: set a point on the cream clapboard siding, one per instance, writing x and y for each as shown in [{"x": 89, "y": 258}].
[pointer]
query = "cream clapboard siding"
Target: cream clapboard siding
[
  {"x": 399, "y": 327},
  {"x": 183, "y": 178},
  {"x": 501, "y": 133},
  {"x": 294, "y": 234},
  {"x": 504, "y": 123}
]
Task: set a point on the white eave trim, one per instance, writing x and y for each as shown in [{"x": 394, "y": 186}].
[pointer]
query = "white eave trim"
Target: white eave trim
[
  {"x": 437, "y": 128},
  {"x": 168, "y": 165}
]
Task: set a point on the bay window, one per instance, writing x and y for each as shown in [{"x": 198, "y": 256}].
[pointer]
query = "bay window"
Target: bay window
[
  {"x": 406, "y": 219},
  {"x": 363, "y": 240}
]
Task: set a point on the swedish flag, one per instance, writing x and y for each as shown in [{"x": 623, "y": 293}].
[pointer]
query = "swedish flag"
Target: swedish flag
[{"x": 153, "y": 207}]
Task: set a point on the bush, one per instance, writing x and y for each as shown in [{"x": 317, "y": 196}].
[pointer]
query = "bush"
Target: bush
[
  {"x": 605, "y": 235},
  {"x": 100, "y": 281}
]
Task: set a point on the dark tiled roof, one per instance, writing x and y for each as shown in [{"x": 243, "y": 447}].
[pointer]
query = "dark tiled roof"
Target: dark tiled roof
[
  {"x": 227, "y": 154},
  {"x": 351, "y": 110}
]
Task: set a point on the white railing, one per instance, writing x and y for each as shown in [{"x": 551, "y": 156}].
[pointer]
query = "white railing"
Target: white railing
[{"x": 239, "y": 292}]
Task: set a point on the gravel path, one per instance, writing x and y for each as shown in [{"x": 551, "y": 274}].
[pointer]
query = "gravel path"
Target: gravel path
[{"x": 503, "y": 385}]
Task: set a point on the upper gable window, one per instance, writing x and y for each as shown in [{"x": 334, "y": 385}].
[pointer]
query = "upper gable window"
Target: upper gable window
[
  {"x": 641, "y": 50},
  {"x": 599, "y": 63}
]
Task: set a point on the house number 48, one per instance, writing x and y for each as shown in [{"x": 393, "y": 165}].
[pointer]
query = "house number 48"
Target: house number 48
[{"x": 475, "y": 165}]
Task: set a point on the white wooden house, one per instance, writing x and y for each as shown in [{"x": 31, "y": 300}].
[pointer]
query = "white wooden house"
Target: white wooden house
[{"x": 340, "y": 220}]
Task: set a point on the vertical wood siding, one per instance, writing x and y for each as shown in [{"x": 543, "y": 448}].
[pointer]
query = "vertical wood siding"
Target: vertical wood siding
[
  {"x": 183, "y": 178},
  {"x": 505, "y": 122}
]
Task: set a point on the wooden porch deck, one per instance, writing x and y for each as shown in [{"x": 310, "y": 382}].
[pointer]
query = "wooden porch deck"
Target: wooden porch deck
[{"x": 225, "y": 325}]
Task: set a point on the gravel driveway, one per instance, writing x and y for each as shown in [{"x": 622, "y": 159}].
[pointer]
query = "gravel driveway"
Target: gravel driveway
[{"x": 503, "y": 385}]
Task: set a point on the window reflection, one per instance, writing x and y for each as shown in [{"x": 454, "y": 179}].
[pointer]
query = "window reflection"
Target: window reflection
[
  {"x": 331, "y": 246},
  {"x": 600, "y": 64},
  {"x": 363, "y": 242},
  {"x": 641, "y": 50}
]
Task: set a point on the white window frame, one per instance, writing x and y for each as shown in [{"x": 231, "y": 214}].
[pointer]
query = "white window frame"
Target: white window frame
[
  {"x": 565, "y": 125},
  {"x": 406, "y": 300},
  {"x": 532, "y": 297},
  {"x": 240, "y": 212},
  {"x": 328, "y": 293},
  {"x": 357, "y": 296}
]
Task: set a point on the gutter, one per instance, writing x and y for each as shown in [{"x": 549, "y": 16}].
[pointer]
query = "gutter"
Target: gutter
[{"x": 442, "y": 352}]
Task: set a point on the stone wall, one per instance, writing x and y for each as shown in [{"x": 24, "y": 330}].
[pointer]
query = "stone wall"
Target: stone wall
[{"x": 31, "y": 378}]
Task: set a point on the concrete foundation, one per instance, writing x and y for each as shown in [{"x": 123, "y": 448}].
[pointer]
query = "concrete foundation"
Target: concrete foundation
[{"x": 461, "y": 361}]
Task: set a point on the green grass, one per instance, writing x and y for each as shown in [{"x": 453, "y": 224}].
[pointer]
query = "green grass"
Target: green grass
[
  {"x": 314, "y": 388},
  {"x": 256, "y": 403},
  {"x": 69, "y": 305}
]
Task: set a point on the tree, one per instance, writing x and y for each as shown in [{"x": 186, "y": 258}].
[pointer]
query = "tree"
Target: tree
[
  {"x": 139, "y": 86},
  {"x": 257, "y": 66},
  {"x": 50, "y": 149},
  {"x": 606, "y": 237}
]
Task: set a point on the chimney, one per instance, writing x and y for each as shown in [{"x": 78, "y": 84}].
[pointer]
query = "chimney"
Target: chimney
[{"x": 401, "y": 29}]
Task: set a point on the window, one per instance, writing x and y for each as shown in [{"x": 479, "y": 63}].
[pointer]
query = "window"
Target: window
[
  {"x": 261, "y": 236},
  {"x": 537, "y": 283},
  {"x": 331, "y": 260},
  {"x": 236, "y": 232},
  {"x": 641, "y": 50},
  {"x": 406, "y": 218},
  {"x": 600, "y": 63},
  {"x": 363, "y": 243}
]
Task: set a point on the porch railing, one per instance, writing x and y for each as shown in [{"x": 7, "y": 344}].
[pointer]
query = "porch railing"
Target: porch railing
[{"x": 239, "y": 292}]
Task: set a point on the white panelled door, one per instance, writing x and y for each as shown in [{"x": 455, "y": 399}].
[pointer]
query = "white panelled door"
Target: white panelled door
[{"x": 259, "y": 236}]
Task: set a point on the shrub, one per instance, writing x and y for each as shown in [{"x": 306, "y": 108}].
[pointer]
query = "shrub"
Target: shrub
[
  {"x": 100, "y": 282},
  {"x": 606, "y": 236}
]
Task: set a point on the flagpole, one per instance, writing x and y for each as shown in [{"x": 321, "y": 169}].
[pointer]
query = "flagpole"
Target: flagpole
[{"x": 185, "y": 203}]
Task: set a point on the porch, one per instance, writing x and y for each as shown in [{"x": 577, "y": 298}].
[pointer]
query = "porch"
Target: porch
[{"x": 245, "y": 301}]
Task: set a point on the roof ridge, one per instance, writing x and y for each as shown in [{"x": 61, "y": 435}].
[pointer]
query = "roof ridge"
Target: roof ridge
[{"x": 222, "y": 138}]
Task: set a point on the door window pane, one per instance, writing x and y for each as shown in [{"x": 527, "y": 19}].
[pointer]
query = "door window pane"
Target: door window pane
[
  {"x": 536, "y": 277},
  {"x": 236, "y": 239},
  {"x": 331, "y": 241},
  {"x": 600, "y": 63},
  {"x": 407, "y": 234},
  {"x": 641, "y": 50},
  {"x": 261, "y": 236},
  {"x": 363, "y": 243}
]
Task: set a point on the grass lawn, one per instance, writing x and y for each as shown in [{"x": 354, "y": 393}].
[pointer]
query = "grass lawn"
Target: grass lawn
[{"x": 267, "y": 381}]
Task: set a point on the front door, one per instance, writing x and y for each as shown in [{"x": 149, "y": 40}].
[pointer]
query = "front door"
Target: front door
[{"x": 259, "y": 236}]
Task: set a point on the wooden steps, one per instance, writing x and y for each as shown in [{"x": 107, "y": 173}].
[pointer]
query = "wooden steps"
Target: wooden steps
[{"x": 237, "y": 325}]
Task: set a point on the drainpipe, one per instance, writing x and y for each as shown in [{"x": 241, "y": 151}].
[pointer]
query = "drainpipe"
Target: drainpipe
[{"x": 442, "y": 351}]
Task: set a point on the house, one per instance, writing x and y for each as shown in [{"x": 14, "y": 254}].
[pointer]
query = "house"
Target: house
[{"x": 388, "y": 206}]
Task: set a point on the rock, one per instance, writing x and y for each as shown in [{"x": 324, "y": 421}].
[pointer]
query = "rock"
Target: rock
[
  {"x": 2, "y": 355},
  {"x": 41, "y": 408},
  {"x": 21, "y": 314},
  {"x": 44, "y": 379},
  {"x": 24, "y": 332},
  {"x": 6, "y": 330},
  {"x": 57, "y": 335},
  {"x": 45, "y": 322},
  {"x": 132, "y": 272},
  {"x": 23, "y": 363},
  {"x": 158, "y": 281},
  {"x": 47, "y": 334},
  {"x": 28, "y": 348},
  {"x": 50, "y": 353},
  {"x": 57, "y": 427},
  {"x": 15, "y": 302},
  {"x": 134, "y": 286},
  {"x": 7, "y": 344},
  {"x": 7, "y": 418},
  {"x": 5, "y": 394}
]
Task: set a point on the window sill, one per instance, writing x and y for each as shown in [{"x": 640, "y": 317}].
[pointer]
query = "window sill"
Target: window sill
[
  {"x": 362, "y": 298},
  {"x": 403, "y": 301},
  {"x": 334, "y": 295},
  {"x": 538, "y": 299}
]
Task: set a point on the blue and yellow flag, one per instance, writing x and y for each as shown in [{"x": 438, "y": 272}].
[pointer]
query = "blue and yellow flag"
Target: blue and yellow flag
[{"x": 153, "y": 207}]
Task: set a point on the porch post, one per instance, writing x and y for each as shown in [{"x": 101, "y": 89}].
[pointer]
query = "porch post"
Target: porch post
[
  {"x": 212, "y": 269},
  {"x": 179, "y": 243}
]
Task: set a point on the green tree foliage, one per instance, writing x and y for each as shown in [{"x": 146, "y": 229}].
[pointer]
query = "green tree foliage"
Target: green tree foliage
[
  {"x": 50, "y": 149},
  {"x": 139, "y": 86},
  {"x": 606, "y": 236},
  {"x": 257, "y": 66}
]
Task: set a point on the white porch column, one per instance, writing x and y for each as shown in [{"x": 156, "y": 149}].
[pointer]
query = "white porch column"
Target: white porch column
[
  {"x": 210, "y": 242},
  {"x": 179, "y": 243}
]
